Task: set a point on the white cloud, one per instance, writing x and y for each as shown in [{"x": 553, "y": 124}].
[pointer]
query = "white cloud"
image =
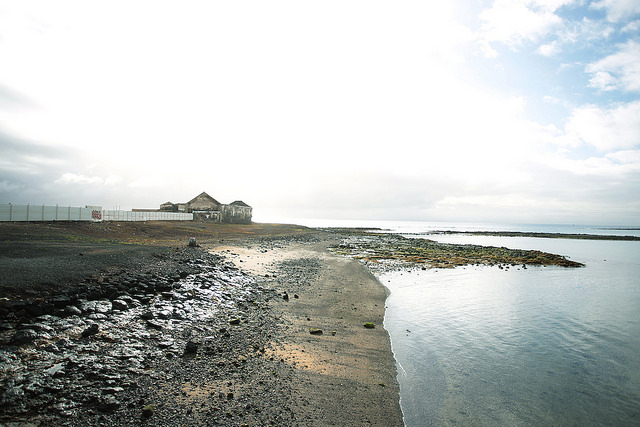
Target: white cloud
[
  {"x": 549, "y": 49},
  {"x": 514, "y": 22},
  {"x": 605, "y": 129},
  {"x": 627, "y": 157},
  {"x": 631, "y": 27},
  {"x": 619, "y": 168},
  {"x": 584, "y": 31},
  {"x": 620, "y": 70},
  {"x": 618, "y": 10},
  {"x": 73, "y": 178}
]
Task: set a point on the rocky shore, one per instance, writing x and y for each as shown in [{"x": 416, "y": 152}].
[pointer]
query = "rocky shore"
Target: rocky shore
[
  {"x": 192, "y": 336},
  {"x": 382, "y": 251},
  {"x": 167, "y": 350}
]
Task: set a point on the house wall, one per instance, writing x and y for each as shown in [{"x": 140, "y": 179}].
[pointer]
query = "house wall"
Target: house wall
[
  {"x": 234, "y": 214},
  {"x": 207, "y": 216}
]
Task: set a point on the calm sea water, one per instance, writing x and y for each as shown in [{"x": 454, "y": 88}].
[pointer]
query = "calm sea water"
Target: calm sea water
[
  {"x": 535, "y": 346},
  {"x": 538, "y": 346}
]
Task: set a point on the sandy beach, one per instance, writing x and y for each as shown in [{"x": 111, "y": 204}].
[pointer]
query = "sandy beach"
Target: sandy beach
[
  {"x": 124, "y": 341},
  {"x": 344, "y": 372}
]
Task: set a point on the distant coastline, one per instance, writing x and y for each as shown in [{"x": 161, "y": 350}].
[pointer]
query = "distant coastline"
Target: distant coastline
[{"x": 539, "y": 235}]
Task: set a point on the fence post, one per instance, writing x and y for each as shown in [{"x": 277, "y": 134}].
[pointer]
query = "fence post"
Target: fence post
[
  {"x": 43, "y": 212},
  {"x": 10, "y": 212}
]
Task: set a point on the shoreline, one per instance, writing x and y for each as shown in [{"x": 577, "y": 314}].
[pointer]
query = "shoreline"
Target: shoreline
[
  {"x": 284, "y": 342},
  {"x": 141, "y": 342},
  {"x": 538, "y": 235}
]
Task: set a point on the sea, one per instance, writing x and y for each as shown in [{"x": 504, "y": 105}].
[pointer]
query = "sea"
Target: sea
[{"x": 535, "y": 346}]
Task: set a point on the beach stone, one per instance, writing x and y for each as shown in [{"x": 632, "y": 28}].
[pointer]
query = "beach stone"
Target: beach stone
[
  {"x": 147, "y": 411},
  {"x": 25, "y": 336},
  {"x": 119, "y": 304},
  {"x": 91, "y": 330},
  {"x": 72, "y": 310},
  {"x": 163, "y": 314},
  {"x": 61, "y": 301},
  {"x": 191, "y": 347},
  {"x": 155, "y": 324},
  {"x": 147, "y": 315}
]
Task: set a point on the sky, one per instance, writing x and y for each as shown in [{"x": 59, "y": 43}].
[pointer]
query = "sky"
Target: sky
[{"x": 520, "y": 111}]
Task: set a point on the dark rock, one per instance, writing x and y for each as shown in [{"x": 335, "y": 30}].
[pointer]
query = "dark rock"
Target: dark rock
[
  {"x": 25, "y": 336},
  {"x": 119, "y": 304},
  {"x": 155, "y": 324},
  {"x": 61, "y": 301},
  {"x": 91, "y": 330},
  {"x": 147, "y": 411},
  {"x": 191, "y": 347},
  {"x": 147, "y": 315},
  {"x": 315, "y": 331},
  {"x": 72, "y": 310},
  {"x": 108, "y": 403},
  {"x": 35, "y": 310}
]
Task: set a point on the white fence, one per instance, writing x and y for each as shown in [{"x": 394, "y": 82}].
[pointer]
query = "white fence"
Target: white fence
[
  {"x": 145, "y": 216},
  {"x": 11, "y": 212}
]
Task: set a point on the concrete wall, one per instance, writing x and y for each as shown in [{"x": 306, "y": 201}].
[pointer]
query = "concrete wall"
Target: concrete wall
[
  {"x": 11, "y": 212},
  {"x": 108, "y": 215}
]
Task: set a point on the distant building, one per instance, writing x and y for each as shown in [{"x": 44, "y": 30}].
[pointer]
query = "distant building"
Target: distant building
[{"x": 206, "y": 208}]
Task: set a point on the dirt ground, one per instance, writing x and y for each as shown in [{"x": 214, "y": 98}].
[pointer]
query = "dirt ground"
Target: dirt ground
[{"x": 47, "y": 256}]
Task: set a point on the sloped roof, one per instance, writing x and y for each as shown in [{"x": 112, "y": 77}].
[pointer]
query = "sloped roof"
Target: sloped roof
[
  {"x": 240, "y": 203},
  {"x": 203, "y": 195}
]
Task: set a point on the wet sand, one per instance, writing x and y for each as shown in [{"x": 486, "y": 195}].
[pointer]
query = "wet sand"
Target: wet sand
[{"x": 345, "y": 375}]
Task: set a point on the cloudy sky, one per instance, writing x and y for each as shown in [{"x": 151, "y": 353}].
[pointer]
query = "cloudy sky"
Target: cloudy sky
[{"x": 506, "y": 110}]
